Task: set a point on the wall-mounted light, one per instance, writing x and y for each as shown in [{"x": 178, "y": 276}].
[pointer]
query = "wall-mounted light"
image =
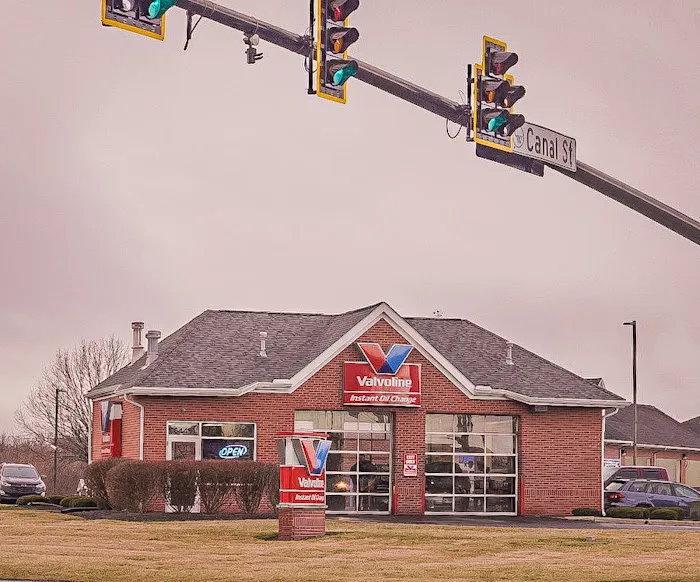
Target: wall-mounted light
[
  {"x": 623, "y": 451},
  {"x": 684, "y": 456}
]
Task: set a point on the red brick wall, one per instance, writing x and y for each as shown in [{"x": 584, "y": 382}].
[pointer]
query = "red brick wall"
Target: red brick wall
[
  {"x": 131, "y": 426},
  {"x": 559, "y": 450}
]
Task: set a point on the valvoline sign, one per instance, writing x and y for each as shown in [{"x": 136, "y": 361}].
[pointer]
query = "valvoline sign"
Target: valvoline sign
[{"x": 384, "y": 379}]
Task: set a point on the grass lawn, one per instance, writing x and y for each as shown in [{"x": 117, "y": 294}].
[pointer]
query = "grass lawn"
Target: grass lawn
[{"x": 46, "y": 545}]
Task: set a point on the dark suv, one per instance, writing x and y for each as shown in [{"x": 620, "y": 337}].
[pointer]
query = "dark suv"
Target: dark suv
[{"x": 17, "y": 480}]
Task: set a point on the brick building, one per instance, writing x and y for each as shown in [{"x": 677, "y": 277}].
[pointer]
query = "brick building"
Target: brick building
[
  {"x": 662, "y": 441},
  {"x": 495, "y": 429}
]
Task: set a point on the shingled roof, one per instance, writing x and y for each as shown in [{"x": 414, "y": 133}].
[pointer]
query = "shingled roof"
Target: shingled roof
[
  {"x": 654, "y": 427},
  {"x": 214, "y": 351},
  {"x": 693, "y": 424}
]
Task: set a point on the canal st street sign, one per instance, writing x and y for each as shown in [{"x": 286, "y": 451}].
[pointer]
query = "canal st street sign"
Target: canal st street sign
[
  {"x": 535, "y": 141},
  {"x": 383, "y": 379}
]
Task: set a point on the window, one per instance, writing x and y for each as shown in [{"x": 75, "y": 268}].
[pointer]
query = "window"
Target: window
[
  {"x": 660, "y": 489},
  {"x": 20, "y": 473},
  {"x": 683, "y": 491},
  {"x": 213, "y": 440},
  {"x": 358, "y": 468},
  {"x": 638, "y": 487},
  {"x": 626, "y": 474},
  {"x": 652, "y": 474},
  {"x": 470, "y": 464}
]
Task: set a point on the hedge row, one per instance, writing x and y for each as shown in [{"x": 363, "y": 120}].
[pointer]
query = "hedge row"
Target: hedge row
[
  {"x": 646, "y": 512},
  {"x": 124, "y": 484},
  {"x": 69, "y": 501}
]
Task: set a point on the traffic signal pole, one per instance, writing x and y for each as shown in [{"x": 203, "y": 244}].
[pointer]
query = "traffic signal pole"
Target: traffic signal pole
[{"x": 460, "y": 114}]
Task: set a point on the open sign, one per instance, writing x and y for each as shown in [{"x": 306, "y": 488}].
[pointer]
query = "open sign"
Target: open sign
[{"x": 233, "y": 451}]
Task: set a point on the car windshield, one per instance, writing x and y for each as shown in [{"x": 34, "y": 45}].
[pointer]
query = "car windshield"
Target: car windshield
[
  {"x": 20, "y": 472},
  {"x": 614, "y": 485}
]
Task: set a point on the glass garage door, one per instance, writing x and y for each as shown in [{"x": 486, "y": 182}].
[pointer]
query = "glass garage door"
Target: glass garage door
[
  {"x": 358, "y": 469},
  {"x": 470, "y": 464}
]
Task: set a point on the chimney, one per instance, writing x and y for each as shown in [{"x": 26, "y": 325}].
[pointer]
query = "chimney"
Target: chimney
[
  {"x": 152, "y": 336},
  {"x": 137, "y": 350},
  {"x": 509, "y": 353},
  {"x": 263, "y": 352}
]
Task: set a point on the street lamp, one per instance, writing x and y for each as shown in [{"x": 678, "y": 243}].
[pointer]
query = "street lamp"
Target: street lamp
[
  {"x": 634, "y": 387},
  {"x": 55, "y": 440}
]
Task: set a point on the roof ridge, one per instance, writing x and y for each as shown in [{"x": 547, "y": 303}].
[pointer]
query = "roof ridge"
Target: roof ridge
[{"x": 317, "y": 314}]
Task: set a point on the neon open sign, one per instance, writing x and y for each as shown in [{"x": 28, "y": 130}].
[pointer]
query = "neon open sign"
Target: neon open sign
[{"x": 233, "y": 451}]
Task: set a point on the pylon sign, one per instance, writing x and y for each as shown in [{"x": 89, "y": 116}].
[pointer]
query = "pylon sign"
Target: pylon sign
[{"x": 495, "y": 93}]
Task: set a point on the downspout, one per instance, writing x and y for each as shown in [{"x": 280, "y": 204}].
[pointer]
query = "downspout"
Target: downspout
[
  {"x": 92, "y": 424},
  {"x": 602, "y": 457},
  {"x": 141, "y": 423}
]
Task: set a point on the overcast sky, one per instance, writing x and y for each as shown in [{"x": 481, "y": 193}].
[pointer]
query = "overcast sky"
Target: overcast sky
[{"x": 141, "y": 182}]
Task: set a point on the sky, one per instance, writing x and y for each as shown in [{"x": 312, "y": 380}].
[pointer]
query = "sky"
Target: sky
[{"x": 141, "y": 182}]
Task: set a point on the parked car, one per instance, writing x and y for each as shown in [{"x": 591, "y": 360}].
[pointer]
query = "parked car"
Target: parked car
[
  {"x": 636, "y": 472},
  {"x": 649, "y": 493},
  {"x": 17, "y": 480}
]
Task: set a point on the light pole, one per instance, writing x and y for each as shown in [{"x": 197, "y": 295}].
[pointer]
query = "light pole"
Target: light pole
[
  {"x": 634, "y": 387},
  {"x": 55, "y": 441}
]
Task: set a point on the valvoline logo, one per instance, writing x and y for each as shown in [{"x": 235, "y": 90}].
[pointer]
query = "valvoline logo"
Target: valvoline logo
[
  {"x": 315, "y": 454},
  {"x": 233, "y": 451},
  {"x": 382, "y": 363}
]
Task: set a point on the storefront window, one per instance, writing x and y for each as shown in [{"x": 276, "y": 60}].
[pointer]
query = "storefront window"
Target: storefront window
[
  {"x": 220, "y": 440},
  {"x": 358, "y": 469},
  {"x": 471, "y": 463}
]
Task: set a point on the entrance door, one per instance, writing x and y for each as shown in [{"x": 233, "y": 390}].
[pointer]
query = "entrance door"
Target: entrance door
[{"x": 184, "y": 449}]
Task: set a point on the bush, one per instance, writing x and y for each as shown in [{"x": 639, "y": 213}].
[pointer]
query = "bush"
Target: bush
[
  {"x": 251, "y": 480},
  {"x": 272, "y": 487},
  {"x": 587, "y": 511},
  {"x": 67, "y": 501},
  {"x": 178, "y": 484},
  {"x": 628, "y": 512},
  {"x": 95, "y": 480},
  {"x": 694, "y": 510},
  {"x": 132, "y": 485},
  {"x": 215, "y": 483},
  {"x": 26, "y": 499},
  {"x": 666, "y": 513},
  {"x": 55, "y": 499}
]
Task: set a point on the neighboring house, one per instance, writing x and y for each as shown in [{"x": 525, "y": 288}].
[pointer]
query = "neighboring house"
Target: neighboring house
[
  {"x": 495, "y": 428},
  {"x": 661, "y": 441},
  {"x": 693, "y": 424}
]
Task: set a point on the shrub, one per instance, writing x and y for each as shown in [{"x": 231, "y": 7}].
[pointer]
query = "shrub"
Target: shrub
[
  {"x": 272, "y": 487},
  {"x": 95, "y": 480},
  {"x": 132, "y": 485},
  {"x": 694, "y": 510},
  {"x": 83, "y": 502},
  {"x": 215, "y": 483},
  {"x": 55, "y": 499},
  {"x": 26, "y": 499},
  {"x": 587, "y": 511},
  {"x": 68, "y": 501},
  {"x": 251, "y": 479},
  {"x": 178, "y": 484},
  {"x": 628, "y": 512},
  {"x": 666, "y": 513}
]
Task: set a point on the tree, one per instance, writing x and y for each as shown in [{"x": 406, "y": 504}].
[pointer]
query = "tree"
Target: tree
[{"x": 73, "y": 372}]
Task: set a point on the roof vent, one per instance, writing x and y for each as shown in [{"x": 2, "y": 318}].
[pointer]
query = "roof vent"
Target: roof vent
[
  {"x": 509, "y": 353},
  {"x": 152, "y": 336},
  {"x": 137, "y": 350},
  {"x": 263, "y": 352}
]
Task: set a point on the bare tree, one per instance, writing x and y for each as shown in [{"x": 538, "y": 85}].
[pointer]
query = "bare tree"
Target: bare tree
[{"x": 73, "y": 373}]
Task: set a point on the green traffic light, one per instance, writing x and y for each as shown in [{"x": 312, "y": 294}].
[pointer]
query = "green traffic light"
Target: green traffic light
[
  {"x": 498, "y": 121},
  {"x": 344, "y": 73},
  {"x": 158, "y": 7}
]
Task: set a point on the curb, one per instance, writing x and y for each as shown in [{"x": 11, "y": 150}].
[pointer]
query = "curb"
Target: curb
[{"x": 684, "y": 523}]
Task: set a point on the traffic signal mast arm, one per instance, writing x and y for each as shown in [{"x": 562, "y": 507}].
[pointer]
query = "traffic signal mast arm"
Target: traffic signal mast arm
[{"x": 447, "y": 109}]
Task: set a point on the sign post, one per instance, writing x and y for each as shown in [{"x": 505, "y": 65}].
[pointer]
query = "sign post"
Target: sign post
[{"x": 302, "y": 507}]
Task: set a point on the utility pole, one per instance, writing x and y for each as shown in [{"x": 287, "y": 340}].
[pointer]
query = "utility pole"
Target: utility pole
[{"x": 633, "y": 323}]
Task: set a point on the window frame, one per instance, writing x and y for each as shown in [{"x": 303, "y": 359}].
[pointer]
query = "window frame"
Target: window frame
[{"x": 199, "y": 439}]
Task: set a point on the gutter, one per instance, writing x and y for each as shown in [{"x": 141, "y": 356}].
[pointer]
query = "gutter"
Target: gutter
[
  {"x": 660, "y": 447},
  {"x": 534, "y": 400},
  {"x": 141, "y": 423},
  {"x": 276, "y": 386}
]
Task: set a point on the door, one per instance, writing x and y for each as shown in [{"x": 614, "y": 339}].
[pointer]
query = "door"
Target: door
[
  {"x": 184, "y": 449},
  {"x": 662, "y": 495}
]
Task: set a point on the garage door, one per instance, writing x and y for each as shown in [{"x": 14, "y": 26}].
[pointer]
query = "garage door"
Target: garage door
[
  {"x": 673, "y": 466},
  {"x": 692, "y": 474}
]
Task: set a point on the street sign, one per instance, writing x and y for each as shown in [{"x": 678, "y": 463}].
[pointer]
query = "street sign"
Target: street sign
[{"x": 535, "y": 141}]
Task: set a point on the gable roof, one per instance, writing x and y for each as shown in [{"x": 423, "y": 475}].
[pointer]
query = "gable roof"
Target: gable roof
[
  {"x": 693, "y": 424},
  {"x": 217, "y": 353},
  {"x": 654, "y": 427}
]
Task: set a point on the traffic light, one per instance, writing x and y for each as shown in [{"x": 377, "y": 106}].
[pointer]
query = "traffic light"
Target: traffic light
[
  {"x": 334, "y": 39},
  {"x": 145, "y": 17},
  {"x": 495, "y": 93}
]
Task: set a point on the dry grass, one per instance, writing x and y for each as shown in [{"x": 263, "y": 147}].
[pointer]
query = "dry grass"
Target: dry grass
[{"x": 46, "y": 545}]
